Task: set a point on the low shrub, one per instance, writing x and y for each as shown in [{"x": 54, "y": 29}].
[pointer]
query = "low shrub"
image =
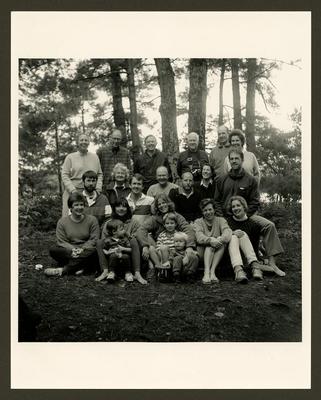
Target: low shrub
[{"x": 39, "y": 213}]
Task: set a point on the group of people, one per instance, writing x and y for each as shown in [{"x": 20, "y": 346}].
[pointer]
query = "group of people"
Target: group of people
[{"x": 129, "y": 219}]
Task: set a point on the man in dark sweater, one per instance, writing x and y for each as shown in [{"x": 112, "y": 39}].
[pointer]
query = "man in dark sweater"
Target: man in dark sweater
[
  {"x": 192, "y": 159},
  {"x": 237, "y": 182},
  {"x": 148, "y": 162},
  {"x": 186, "y": 198}
]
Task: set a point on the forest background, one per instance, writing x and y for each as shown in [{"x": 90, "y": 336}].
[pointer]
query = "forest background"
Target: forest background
[{"x": 60, "y": 98}]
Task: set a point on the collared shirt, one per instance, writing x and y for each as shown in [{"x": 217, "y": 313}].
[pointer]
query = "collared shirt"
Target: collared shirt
[
  {"x": 141, "y": 208},
  {"x": 98, "y": 206}
]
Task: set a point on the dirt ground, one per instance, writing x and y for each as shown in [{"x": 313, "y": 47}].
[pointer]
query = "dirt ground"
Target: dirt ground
[{"x": 78, "y": 309}]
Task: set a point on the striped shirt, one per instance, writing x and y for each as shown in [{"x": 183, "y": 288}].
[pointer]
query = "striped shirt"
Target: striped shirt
[
  {"x": 166, "y": 239},
  {"x": 141, "y": 208}
]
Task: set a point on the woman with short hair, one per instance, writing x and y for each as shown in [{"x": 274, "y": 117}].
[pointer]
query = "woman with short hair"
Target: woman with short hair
[
  {"x": 212, "y": 235},
  {"x": 76, "y": 236}
]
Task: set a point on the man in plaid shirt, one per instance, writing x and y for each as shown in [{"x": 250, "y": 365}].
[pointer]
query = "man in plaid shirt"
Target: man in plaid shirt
[{"x": 110, "y": 156}]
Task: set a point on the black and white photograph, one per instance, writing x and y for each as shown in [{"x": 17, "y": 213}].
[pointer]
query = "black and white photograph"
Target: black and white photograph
[{"x": 160, "y": 198}]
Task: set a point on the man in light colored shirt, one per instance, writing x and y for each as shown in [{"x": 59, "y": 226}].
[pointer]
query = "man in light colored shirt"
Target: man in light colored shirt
[
  {"x": 250, "y": 164},
  {"x": 163, "y": 185},
  {"x": 220, "y": 151},
  {"x": 139, "y": 203}
]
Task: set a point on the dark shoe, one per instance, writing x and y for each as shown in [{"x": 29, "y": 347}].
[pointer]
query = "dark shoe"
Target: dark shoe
[{"x": 151, "y": 275}]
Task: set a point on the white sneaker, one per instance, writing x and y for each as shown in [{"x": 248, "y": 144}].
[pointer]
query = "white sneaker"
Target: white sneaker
[
  {"x": 129, "y": 277},
  {"x": 53, "y": 271},
  {"x": 111, "y": 276}
]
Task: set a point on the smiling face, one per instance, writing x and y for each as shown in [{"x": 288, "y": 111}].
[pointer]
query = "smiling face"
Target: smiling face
[
  {"x": 162, "y": 206},
  {"x": 77, "y": 209},
  {"x": 120, "y": 176},
  {"x": 83, "y": 143},
  {"x": 192, "y": 141},
  {"x": 150, "y": 143},
  {"x": 208, "y": 212},
  {"x": 206, "y": 172},
  {"x": 162, "y": 176},
  {"x": 170, "y": 225},
  {"x": 222, "y": 134},
  {"x": 136, "y": 186},
  {"x": 120, "y": 210},
  {"x": 238, "y": 209},
  {"x": 236, "y": 142}
]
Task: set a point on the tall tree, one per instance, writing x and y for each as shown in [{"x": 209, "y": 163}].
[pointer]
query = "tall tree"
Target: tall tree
[
  {"x": 250, "y": 104},
  {"x": 197, "y": 98},
  {"x": 221, "y": 102},
  {"x": 236, "y": 93},
  {"x": 136, "y": 147},
  {"x": 119, "y": 113},
  {"x": 167, "y": 110}
]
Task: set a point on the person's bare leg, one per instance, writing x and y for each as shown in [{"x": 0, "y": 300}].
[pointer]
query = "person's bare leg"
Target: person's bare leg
[
  {"x": 102, "y": 276},
  {"x": 273, "y": 266},
  {"x": 208, "y": 258},
  {"x": 218, "y": 254},
  {"x": 154, "y": 257}
]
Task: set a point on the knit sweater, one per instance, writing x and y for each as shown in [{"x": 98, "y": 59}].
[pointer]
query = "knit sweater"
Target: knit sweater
[
  {"x": 217, "y": 157},
  {"x": 188, "y": 206},
  {"x": 131, "y": 227},
  {"x": 219, "y": 230},
  {"x": 238, "y": 183},
  {"x": 250, "y": 227},
  {"x": 157, "y": 189},
  {"x": 75, "y": 165},
  {"x": 82, "y": 234}
]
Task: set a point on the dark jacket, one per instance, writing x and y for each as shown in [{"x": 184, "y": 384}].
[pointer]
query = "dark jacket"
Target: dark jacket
[
  {"x": 193, "y": 162},
  {"x": 147, "y": 166},
  {"x": 186, "y": 206},
  {"x": 236, "y": 184}
]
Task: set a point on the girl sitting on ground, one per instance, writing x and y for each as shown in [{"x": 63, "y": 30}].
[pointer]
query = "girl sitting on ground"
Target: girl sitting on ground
[{"x": 117, "y": 250}]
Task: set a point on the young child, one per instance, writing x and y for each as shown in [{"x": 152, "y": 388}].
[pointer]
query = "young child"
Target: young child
[
  {"x": 171, "y": 251},
  {"x": 184, "y": 268},
  {"x": 117, "y": 249},
  {"x": 161, "y": 255}
]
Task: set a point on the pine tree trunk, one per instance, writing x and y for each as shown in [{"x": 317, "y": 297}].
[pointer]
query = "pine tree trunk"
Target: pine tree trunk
[
  {"x": 220, "y": 115},
  {"x": 58, "y": 158},
  {"x": 136, "y": 146},
  {"x": 197, "y": 98},
  {"x": 119, "y": 113},
  {"x": 83, "y": 120},
  {"x": 250, "y": 104},
  {"x": 168, "y": 111},
  {"x": 236, "y": 93}
]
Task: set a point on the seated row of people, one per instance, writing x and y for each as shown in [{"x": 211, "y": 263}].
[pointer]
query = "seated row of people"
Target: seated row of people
[{"x": 165, "y": 239}]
